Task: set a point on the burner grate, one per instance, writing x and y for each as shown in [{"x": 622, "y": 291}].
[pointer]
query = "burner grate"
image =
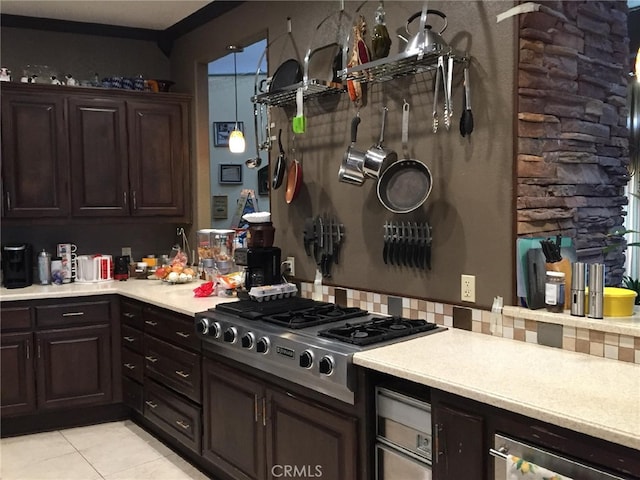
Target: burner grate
[
  {"x": 252, "y": 309},
  {"x": 377, "y": 330},
  {"x": 314, "y": 316}
]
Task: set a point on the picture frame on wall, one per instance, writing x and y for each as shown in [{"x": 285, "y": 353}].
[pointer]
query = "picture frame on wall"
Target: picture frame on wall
[
  {"x": 222, "y": 130},
  {"x": 219, "y": 204},
  {"x": 230, "y": 173}
]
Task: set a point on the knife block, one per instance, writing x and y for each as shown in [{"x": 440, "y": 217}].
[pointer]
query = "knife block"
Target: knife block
[{"x": 563, "y": 266}]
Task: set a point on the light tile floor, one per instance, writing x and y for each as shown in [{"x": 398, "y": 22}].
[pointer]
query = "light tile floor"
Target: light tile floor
[{"x": 109, "y": 451}]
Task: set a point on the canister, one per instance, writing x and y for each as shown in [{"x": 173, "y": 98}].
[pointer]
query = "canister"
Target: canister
[
  {"x": 554, "y": 291},
  {"x": 44, "y": 268}
]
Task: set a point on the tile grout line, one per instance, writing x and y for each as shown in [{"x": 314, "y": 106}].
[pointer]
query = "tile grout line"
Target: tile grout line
[{"x": 80, "y": 453}]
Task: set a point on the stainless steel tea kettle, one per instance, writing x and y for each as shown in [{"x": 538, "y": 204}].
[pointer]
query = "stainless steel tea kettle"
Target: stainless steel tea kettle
[{"x": 426, "y": 40}]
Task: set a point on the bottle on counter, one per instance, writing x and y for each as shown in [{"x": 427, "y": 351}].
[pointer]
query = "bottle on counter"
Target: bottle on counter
[
  {"x": 44, "y": 268},
  {"x": 57, "y": 273},
  {"x": 554, "y": 291},
  {"x": 596, "y": 290},
  {"x": 578, "y": 284}
]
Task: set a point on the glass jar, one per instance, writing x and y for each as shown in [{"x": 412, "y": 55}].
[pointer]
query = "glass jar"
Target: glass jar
[{"x": 554, "y": 291}]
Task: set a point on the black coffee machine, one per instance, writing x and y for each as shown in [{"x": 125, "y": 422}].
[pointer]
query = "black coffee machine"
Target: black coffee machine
[
  {"x": 262, "y": 265},
  {"x": 17, "y": 265}
]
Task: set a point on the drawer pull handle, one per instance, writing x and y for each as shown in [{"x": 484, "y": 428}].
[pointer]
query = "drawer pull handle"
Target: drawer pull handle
[
  {"x": 151, "y": 404},
  {"x": 149, "y": 322},
  {"x": 129, "y": 366},
  {"x": 129, "y": 339},
  {"x": 151, "y": 358},
  {"x": 73, "y": 314},
  {"x": 129, "y": 314},
  {"x": 182, "y": 424},
  {"x": 182, "y": 334},
  {"x": 182, "y": 374}
]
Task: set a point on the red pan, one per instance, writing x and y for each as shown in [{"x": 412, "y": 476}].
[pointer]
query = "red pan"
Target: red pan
[{"x": 294, "y": 177}]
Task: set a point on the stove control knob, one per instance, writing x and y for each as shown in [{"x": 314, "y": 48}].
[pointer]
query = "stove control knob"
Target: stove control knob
[
  {"x": 306, "y": 359},
  {"x": 247, "y": 340},
  {"x": 206, "y": 326},
  {"x": 262, "y": 346},
  {"x": 230, "y": 334},
  {"x": 326, "y": 365}
]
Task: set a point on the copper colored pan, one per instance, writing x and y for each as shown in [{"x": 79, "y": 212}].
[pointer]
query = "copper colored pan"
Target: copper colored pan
[{"x": 294, "y": 177}]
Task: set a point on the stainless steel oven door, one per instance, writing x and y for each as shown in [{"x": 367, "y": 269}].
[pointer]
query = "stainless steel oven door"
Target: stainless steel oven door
[
  {"x": 504, "y": 446},
  {"x": 391, "y": 464}
]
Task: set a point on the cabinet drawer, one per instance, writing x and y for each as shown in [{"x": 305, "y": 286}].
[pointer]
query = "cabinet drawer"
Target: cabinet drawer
[
  {"x": 73, "y": 313},
  {"x": 132, "y": 365},
  {"x": 176, "y": 416},
  {"x": 177, "y": 330},
  {"x": 172, "y": 366},
  {"x": 132, "y": 394},
  {"x": 132, "y": 339},
  {"x": 131, "y": 314},
  {"x": 15, "y": 318}
]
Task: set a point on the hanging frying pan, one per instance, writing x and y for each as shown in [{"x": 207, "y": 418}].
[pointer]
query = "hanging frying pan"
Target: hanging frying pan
[
  {"x": 294, "y": 176},
  {"x": 405, "y": 185},
  {"x": 278, "y": 174},
  {"x": 289, "y": 73}
]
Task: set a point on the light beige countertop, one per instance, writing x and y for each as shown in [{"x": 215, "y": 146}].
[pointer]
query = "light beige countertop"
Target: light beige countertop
[
  {"x": 596, "y": 396},
  {"x": 178, "y": 298}
]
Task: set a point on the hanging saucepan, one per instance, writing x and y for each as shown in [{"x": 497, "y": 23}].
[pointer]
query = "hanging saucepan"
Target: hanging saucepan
[
  {"x": 289, "y": 73},
  {"x": 425, "y": 40},
  {"x": 278, "y": 174},
  {"x": 294, "y": 176},
  {"x": 378, "y": 157},
  {"x": 406, "y": 184},
  {"x": 351, "y": 169}
]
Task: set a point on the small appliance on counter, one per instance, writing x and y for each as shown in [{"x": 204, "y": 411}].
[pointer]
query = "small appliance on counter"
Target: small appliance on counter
[
  {"x": 94, "y": 268},
  {"x": 121, "y": 267},
  {"x": 17, "y": 265},
  {"x": 262, "y": 265}
]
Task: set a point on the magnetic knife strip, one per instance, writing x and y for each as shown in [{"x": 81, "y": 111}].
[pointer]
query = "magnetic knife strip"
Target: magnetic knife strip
[
  {"x": 407, "y": 244},
  {"x": 323, "y": 237}
]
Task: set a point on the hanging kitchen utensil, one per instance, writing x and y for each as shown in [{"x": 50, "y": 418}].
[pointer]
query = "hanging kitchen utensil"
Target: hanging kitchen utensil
[
  {"x": 359, "y": 56},
  {"x": 281, "y": 164},
  {"x": 299, "y": 123},
  {"x": 294, "y": 176},
  {"x": 466, "y": 119},
  {"x": 448, "y": 104},
  {"x": 425, "y": 40},
  {"x": 436, "y": 89},
  {"x": 287, "y": 74},
  {"x": 255, "y": 161},
  {"x": 380, "y": 40},
  {"x": 405, "y": 185},
  {"x": 351, "y": 168},
  {"x": 378, "y": 157}
]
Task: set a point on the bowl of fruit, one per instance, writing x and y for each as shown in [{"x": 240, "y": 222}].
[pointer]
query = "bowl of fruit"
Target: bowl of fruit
[{"x": 175, "y": 274}]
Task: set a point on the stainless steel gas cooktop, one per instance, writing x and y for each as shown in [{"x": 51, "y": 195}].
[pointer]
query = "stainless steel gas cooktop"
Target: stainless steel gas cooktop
[{"x": 301, "y": 340}]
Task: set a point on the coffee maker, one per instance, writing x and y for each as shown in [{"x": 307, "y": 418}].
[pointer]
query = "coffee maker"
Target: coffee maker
[
  {"x": 17, "y": 265},
  {"x": 262, "y": 265}
]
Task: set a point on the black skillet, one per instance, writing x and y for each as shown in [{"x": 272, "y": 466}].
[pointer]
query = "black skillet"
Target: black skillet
[
  {"x": 278, "y": 174},
  {"x": 289, "y": 73}
]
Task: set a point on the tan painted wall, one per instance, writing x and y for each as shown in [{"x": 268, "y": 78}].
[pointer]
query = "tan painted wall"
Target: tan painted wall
[{"x": 471, "y": 207}]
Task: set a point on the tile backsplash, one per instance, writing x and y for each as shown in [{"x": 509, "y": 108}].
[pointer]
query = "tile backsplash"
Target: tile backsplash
[{"x": 591, "y": 341}]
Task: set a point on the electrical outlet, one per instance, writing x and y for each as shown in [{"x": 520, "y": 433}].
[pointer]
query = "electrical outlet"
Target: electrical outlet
[
  {"x": 291, "y": 261},
  {"x": 126, "y": 251},
  {"x": 468, "y": 288}
]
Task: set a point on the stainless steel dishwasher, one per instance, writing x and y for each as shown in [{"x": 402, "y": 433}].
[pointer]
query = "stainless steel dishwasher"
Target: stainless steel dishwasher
[
  {"x": 403, "y": 437},
  {"x": 504, "y": 446}
]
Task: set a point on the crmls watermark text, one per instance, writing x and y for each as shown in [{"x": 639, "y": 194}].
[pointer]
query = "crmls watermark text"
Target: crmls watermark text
[{"x": 296, "y": 471}]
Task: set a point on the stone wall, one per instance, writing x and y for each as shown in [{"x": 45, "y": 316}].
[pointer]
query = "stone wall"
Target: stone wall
[{"x": 572, "y": 127}]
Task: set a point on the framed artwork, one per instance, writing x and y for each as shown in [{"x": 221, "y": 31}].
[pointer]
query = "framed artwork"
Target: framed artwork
[
  {"x": 263, "y": 180},
  {"x": 230, "y": 173},
  {"x": 219, "y": 207},
  {"x": 222, "y": 130}
]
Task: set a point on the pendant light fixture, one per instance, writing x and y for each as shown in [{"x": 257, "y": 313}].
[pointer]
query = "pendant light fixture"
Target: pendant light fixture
[{"x": 236, "y": 138}]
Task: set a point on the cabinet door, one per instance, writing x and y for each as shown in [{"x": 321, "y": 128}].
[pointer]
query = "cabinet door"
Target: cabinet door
[
  {"x": 233, "y": 422},
  {"x": 74, "y": 367},
  {"x": 458, "y": 446},
  {"x": 309, "y": 441},
  {"x": 98, "y": 152},
  {"x": 34, "y": 156},
  {"x": 17, "y": 392},
  {"x": 158, "y": 159}
]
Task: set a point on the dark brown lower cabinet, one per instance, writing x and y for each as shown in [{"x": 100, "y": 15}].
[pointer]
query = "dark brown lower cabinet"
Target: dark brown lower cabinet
[
  {"x": 252, "y": 430},
  {"x": 18, "y": 393},
  {"x": 74, "y": 366}
]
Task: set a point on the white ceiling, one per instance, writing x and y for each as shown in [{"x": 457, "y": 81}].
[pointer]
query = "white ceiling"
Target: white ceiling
[{"x": 152, "y": 14}]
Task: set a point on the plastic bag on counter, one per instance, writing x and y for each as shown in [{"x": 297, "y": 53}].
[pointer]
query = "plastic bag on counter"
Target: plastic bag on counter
[{"x": 178, "y": 256}]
